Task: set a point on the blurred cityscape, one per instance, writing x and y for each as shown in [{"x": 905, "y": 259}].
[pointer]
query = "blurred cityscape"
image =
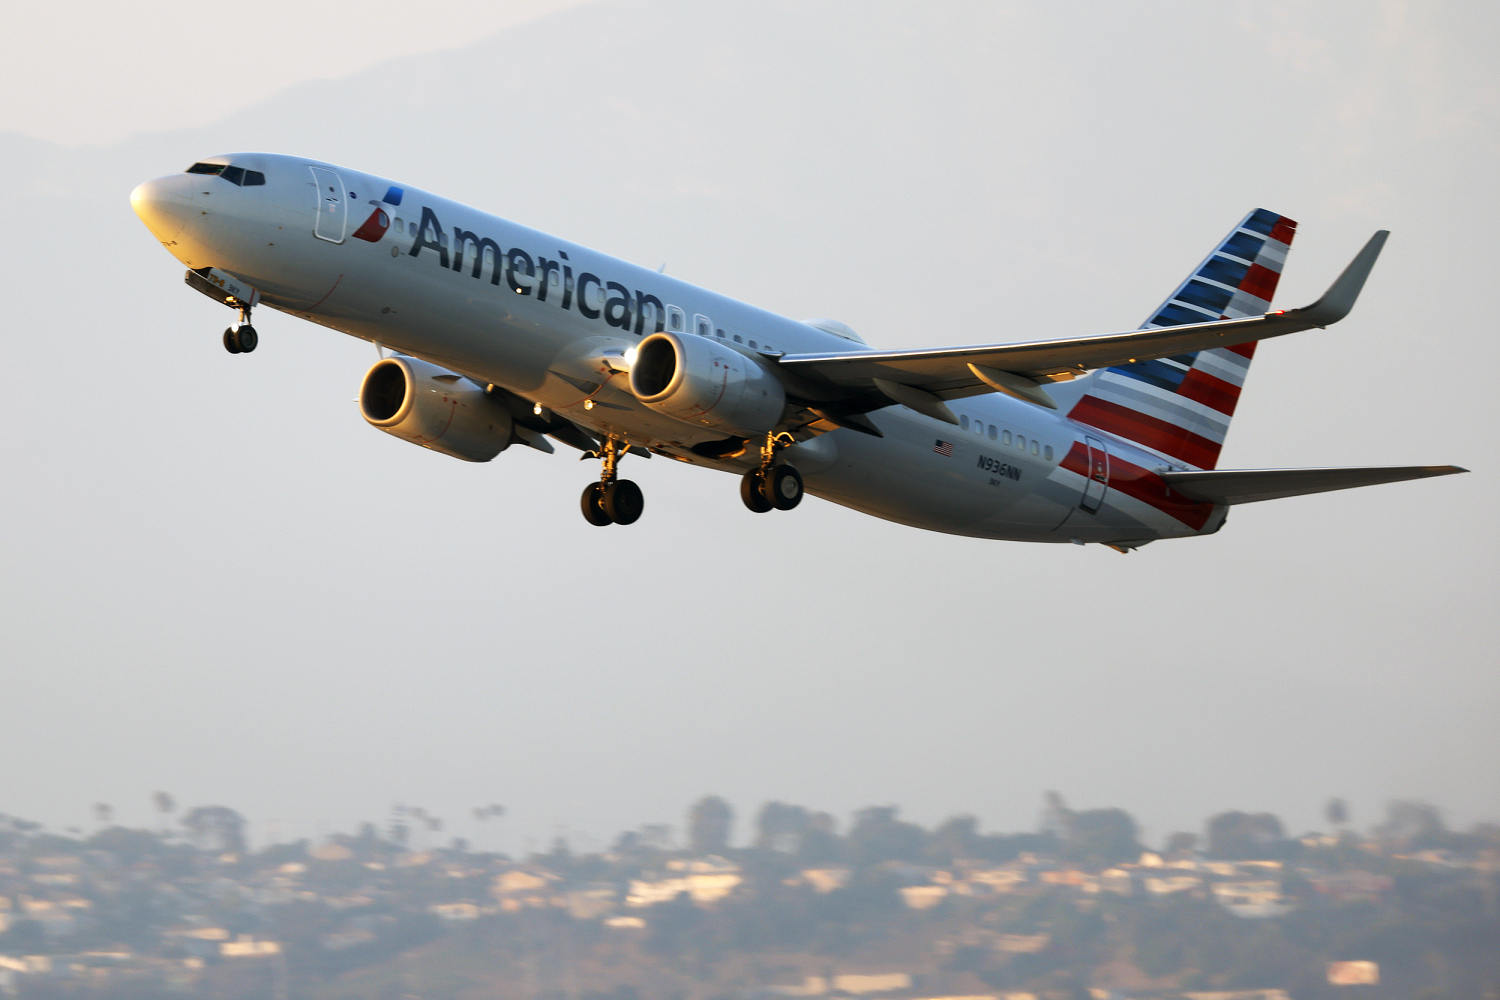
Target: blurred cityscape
[{"x": 882, "y": 909}]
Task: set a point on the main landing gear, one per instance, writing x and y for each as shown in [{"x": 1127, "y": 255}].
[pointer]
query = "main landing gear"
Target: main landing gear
[
  {"x": 241, "y": 338},
  {"x": 612, "y": 500},
  {"x": 771, "y": 485},
  {"x": 619, "y": 501}
]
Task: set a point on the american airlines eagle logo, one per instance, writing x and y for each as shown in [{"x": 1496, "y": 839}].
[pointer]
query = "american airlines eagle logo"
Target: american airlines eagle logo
[{"x": 373, "y": 228}]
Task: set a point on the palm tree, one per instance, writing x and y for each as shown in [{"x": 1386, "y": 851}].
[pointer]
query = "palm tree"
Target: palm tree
[
  {"x": 165, "y": 805},
  {"x": 492, "y": 811}
]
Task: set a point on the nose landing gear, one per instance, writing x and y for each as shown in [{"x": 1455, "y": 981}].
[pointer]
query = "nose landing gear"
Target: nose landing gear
[
  {"x": 772, "y": 486},
  {"x": 232, "y": 291},
  {"x": 612, "y": 500}
]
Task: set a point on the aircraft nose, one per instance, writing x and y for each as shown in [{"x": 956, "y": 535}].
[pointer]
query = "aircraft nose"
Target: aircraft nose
[{"x": 164, "y": 205}]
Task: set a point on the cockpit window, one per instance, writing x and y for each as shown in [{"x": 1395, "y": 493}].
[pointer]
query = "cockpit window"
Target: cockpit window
[{"x": 238, "y": 176}]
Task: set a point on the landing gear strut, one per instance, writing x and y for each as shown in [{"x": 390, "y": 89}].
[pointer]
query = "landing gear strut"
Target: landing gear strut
[
  {"x": 772, "y": 486},
  {"x": 241, "y": 338},
  {"x": 612, "y": 500}
]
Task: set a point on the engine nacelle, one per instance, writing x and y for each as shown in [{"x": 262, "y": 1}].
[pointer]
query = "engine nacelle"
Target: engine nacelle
[
  {"x": 433, "y": 407},
  {"x": 700, "y": 381}
]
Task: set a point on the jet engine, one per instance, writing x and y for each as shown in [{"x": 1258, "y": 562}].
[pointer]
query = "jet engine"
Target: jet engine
[
  {"x": 700, "y": 381},
  {"x": 433, "y": 407}
]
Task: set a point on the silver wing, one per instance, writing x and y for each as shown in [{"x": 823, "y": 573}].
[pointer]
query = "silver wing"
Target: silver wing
[{"x": 865, "y": 380}]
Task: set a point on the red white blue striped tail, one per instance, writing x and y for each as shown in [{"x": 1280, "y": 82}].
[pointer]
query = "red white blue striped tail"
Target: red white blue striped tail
[{"x": 1180, "y": 407}]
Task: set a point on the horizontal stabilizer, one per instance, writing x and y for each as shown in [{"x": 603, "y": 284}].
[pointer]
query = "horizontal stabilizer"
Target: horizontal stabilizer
[{"x": 1232, "y": 486}]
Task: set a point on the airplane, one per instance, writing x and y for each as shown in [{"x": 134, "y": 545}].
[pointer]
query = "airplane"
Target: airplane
[{"x": 502, "y": 335}]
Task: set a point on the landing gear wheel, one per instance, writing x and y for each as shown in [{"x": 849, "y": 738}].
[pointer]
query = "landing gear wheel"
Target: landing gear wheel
[
  {"x": 783, "y": 486},
  {"x": 751, "y": 493},
  {"x": 240, "y": 340},
  {"x": 611, "y": 500},
  {"x": 592, "y": 503},
  {"x": 623, "y": 501}
]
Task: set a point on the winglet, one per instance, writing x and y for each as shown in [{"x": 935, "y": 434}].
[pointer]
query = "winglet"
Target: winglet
[{"x": 1339, "y": 299}]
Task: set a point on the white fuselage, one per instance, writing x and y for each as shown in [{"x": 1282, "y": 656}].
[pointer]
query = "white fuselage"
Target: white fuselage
[{"x": 510, "y": 306}]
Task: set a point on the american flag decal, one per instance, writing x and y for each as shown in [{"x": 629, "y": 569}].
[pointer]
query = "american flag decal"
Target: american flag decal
[{"x": 944, "y": 448}]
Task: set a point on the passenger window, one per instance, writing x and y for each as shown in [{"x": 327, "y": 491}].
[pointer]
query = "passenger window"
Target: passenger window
[
  {"x": 719, "y": 333},
  {"x": 1035, "y": 448},
  {"x": 675, "y": 319},
  {"x": 738, "y": 339},
  {"x": 963, "y": 421},
  {"x": 1049, "y": 453},
  {"x": 1005, "y": 438},
  {"x": 752, "y": 343},
  {"x": 1021, "y": 441},
  {"x": 705, "y": 328},
  {"x": 992, "y": 432}
]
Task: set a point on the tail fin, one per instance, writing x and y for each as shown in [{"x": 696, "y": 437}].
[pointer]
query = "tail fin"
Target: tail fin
[{"x": 1180, "y": 407}]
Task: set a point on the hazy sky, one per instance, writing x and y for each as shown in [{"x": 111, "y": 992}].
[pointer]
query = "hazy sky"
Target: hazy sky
[
  {"x": 219, "y": 582},
  {"x": 97, "y": 72}
]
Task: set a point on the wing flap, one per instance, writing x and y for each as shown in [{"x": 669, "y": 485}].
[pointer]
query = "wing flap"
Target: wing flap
[
  {"x": 1235, "y": 486},
  {"x": 947, "y": 372}
]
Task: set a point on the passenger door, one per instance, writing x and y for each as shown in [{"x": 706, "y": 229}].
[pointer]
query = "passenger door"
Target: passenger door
[
  {"x": 1098, "y": 482},
  {"x": 332, "y": 205}
]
